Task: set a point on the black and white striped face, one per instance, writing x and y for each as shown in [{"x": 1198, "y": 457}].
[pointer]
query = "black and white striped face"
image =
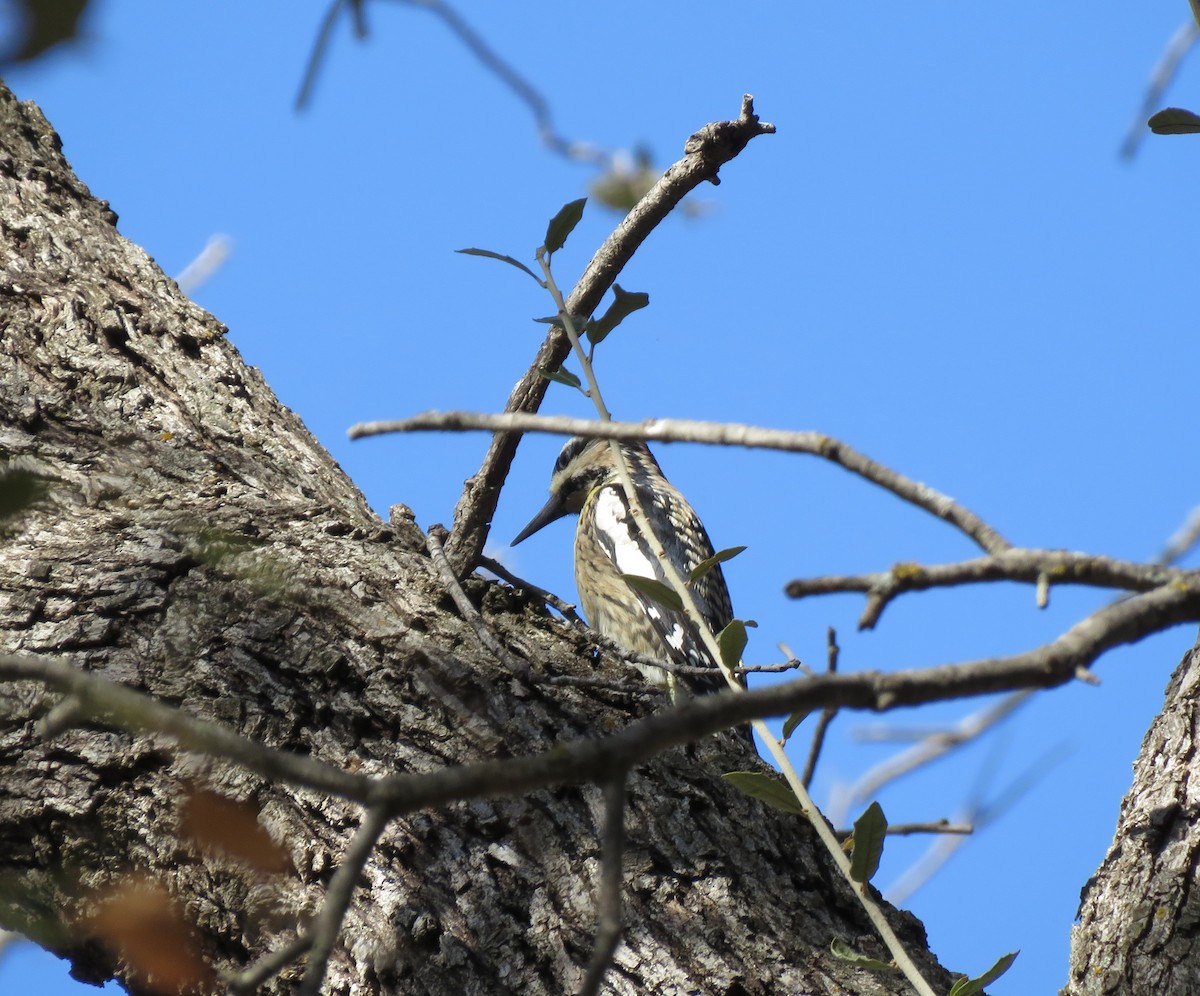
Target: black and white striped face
[{"x": 582, "y": 466}]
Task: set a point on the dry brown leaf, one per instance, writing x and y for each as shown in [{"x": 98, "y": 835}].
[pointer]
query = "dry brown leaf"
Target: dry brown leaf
[
  {"x": 215, "y": 822},
  {"x": 138, "y": 919}
]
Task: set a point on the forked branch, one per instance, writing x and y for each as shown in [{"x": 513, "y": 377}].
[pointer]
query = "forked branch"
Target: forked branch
[{"x": 705, "y": 153}]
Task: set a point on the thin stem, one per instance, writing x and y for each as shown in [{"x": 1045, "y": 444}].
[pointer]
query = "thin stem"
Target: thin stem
[
  {"x": 327, "y": 926},
  {"x": 714, "y": 434},
  {"x": 692, "y": 611},
  {"x": 608, "y": 926}
]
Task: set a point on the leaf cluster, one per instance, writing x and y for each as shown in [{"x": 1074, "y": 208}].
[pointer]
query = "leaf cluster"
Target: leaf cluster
[{"x": 595, "y": 329}]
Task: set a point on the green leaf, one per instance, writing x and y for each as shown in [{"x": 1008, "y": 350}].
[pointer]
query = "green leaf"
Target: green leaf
[
  {"x": 794, "y": 720},
  {"x": 562, "y": 224},
  {"x": 1174, "y": 121},
  {"x": 843, "y": 951},
  {"x": 968, "y": 987},
  {"x": 731, "y": 641},
  {"x": 772, "y": 791},
  {"x": 656, "y": 591},
  {"x": 19, "y": 491},
  {"x": 488, "y": 254},
  {"x": 43, "y": 25},
  {"x": 561, "y": 376},
  {"x": 625, "y": 303},
  {"x": 869, "y": 831},
  {"x": 705, "y": 566},
  {"x": 620, "y": 188}
]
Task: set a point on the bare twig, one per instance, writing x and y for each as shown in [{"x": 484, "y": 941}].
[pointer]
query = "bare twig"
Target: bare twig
[
  {"x": 492, "y": 644},
  {"x": 105, "y": 701},
  {"x": 1160, "y": 78},
  {"x": 631, "y": 659},
  {"x": 324, "y": 930},
  {"x": 563, "y": 607},
  {"x": 628, "y": 686},
  {"x": 711, "y": 433},
  {"x": 942, "y": 826},
  {"x": 324, "y": 33},
  {"x": 487, "y": 639},
  {"x": 793, "y": 659},
  {"x": 270, "y": 965},
  {"x": 319, "y": 936},
  {"x": 832, "y": 651},
  {"x": 940, "y": 851},
  {"x": 594, "y": 759},
  {"x": 935, "y": 745},
  {"x": 686, "y": 670},
  {"x": 1013, "y": 564},
  {"x": 936, "y": 827},
  {"x": 207, "y": 262},
  {"x": 818, "y": 742},
  {"x": 9, "y": 938},
  {"x": 789, "y": 665},
  {"x": 608, "y": 905},
  {"x": 524, "y": 90},
  {"x": 718, "y": 144},
  {"x": 1183, "y": 541},
  {"x": 978, "y": 816}
]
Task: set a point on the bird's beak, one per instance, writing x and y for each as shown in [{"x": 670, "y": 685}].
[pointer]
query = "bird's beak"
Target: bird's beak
[{"x": 555, "y": 508}]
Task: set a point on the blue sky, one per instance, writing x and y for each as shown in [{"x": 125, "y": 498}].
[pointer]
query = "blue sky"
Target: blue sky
[{"x": 939, "y": 259}]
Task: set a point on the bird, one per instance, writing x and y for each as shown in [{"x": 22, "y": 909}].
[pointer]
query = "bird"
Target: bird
[{"x": 608, "y": 544}]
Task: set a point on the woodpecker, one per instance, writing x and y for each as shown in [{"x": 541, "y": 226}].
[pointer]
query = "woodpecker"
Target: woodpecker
[{"x": 609, "y": 544}]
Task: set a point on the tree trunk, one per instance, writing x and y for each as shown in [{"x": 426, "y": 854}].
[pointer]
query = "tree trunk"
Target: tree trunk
[
  {"x": 1139, "y": 929},
  {"x": 197, "y": 544}
]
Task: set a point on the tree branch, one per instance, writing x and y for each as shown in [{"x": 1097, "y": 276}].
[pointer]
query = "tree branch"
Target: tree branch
[
  {"x": 1041, "y": 567},
  {"x": 1183, "y": 541},
  {"x": 706, "y": 152},
  {"x": 487, "y": 639},
  {"x": 95, "y": 698},
  {"x": 594, "y": 759},
  {"x": 935, "y": 744},
  {"x": 934, "y": 827},
  {"x": 324, "y": 930},
  {"x": 711, "y": 433},
  {"x": 833, "y": 651},
  {"x": 608, "y": 906},
  {"x": 560, "y": 605},
  {"x": 1164, "y": 71}
]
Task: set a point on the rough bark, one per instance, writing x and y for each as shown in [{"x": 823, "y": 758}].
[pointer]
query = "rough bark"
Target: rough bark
[
  {"x": 196, "y": 543},
  {"x": 1139, "y": 929}
]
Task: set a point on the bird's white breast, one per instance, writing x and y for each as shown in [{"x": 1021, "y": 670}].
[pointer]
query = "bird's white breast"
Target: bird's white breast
[{"x": 614, "y": 520}]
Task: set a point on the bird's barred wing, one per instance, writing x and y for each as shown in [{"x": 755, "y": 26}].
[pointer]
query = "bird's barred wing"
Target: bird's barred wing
[
  {"x": 625, "y": 546},
  {"x": 687, "y": 545}
]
